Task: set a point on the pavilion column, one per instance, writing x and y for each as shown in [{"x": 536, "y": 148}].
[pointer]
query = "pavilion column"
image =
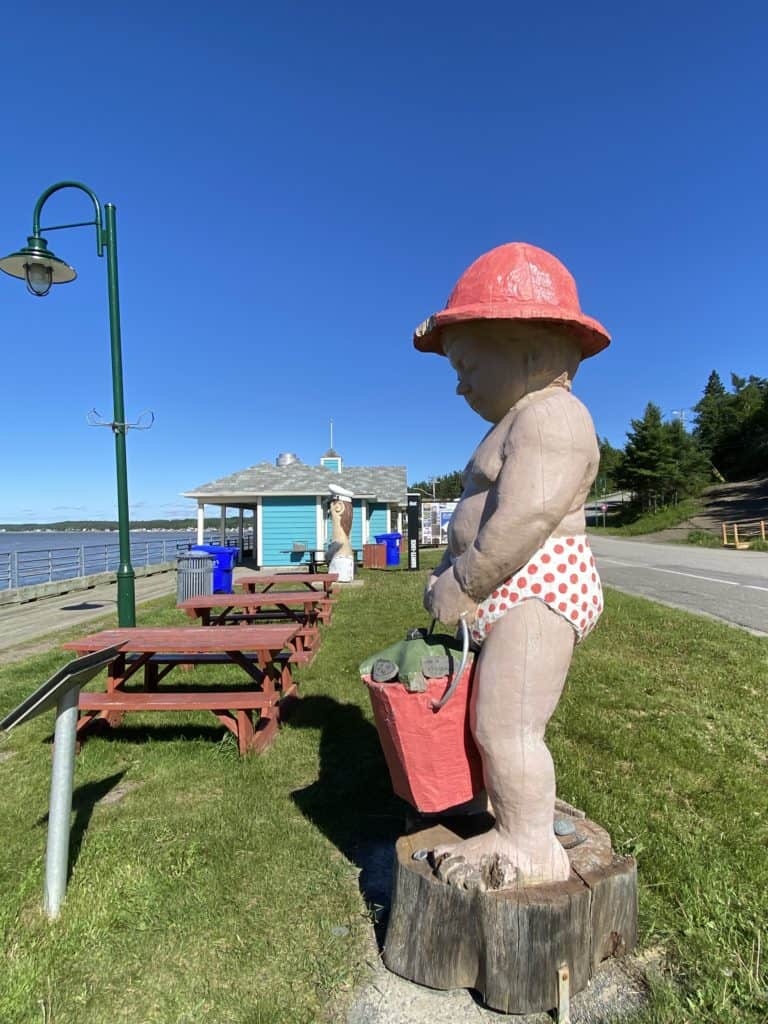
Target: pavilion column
[
  {"x": 319, "y": 524},
  {"x": 200, "y": 523},
  {"x": 258, "y": 532},
  {"x": 240, "y": 541},
  {"x": 223, "y": 526},
  {"x": 365, "y": 524}
]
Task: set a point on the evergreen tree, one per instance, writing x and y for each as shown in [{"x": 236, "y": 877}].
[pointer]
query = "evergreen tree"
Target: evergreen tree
[
  {"x": 609, "y": 468},
  {"x": 689, "y": 468},
  {"x": 732, "y": 426},
  {"x": 443, "y": 488},
  {"x": 712, "y": 415},
  {"x": 648, "y": 466}
]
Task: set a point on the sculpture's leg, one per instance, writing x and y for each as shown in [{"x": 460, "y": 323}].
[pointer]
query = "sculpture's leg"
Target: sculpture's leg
[{"x": 520, "y": 676}]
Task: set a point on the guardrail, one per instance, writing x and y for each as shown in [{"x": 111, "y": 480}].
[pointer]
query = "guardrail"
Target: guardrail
[
  {"x": 741, "y": 534},
  {"x": 26, "y": 568}
]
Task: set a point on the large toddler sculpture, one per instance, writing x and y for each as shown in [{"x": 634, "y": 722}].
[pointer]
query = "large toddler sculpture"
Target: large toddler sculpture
[{"x": 518, "y": 564}]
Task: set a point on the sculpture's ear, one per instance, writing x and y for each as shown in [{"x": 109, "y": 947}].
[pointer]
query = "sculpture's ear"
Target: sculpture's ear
[{"x": 553, "y": 356}]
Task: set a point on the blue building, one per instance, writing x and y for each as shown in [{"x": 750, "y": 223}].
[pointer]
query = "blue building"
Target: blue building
[{"x": 287, "y": 504}]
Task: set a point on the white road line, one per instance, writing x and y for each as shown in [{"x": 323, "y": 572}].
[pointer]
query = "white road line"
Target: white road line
[{"x": 676, "y": 572}]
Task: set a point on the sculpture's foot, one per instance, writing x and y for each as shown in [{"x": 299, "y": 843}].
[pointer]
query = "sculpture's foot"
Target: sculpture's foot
[{"x": 494, "y": 860}]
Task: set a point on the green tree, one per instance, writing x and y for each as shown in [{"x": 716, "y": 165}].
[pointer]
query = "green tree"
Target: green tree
[
  {"x": 732, "y": 426},
  {"x": 648, "y": 464},
  {"x": 444, "y": 488},
  {"x": 689, "y": 469},
  {"x": 712, "y": 415},
  {"x": 609, "y": 468}
]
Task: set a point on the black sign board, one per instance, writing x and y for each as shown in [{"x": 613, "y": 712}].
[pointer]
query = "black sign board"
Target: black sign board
[
  {"x": 414, "y": 526},
  {"x": 76, "y": 673}
]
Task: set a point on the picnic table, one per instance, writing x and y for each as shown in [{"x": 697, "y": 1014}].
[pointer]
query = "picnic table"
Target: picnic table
[
  {"x": 302, "y": 606},
  {"x": 305, "y": 607},
  {"x": 262, "y": 584},
  {"x": 147, "y": 656}
]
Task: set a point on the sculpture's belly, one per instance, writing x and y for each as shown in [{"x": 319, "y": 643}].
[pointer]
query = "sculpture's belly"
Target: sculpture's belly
[{"x": 465, "y": 522}]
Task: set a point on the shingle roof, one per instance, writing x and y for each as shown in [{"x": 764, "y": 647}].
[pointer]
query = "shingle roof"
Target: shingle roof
[{"x": 376, "y": 483}]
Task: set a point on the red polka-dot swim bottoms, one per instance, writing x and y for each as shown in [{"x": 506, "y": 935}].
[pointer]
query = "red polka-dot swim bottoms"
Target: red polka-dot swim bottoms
[{"x": 562, "y": 574}]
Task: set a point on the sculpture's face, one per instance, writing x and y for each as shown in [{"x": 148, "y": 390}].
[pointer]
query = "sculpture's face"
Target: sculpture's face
[
  {"x": 337, "y": 507},
  {"x": 492, "y": 371}
]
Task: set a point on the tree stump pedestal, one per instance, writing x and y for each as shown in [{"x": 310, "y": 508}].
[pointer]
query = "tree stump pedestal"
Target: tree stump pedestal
[{"x": 523, "y": 950}]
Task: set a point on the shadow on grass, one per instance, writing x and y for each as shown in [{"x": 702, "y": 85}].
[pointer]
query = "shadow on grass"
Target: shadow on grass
[
  {"x": 139, "y": 734},
  {"x": 84, "y": 799},
  {"x": 351, "y": 801}
]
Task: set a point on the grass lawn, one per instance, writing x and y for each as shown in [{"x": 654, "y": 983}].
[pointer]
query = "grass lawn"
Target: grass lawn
[{"x": 206, "y": 887}]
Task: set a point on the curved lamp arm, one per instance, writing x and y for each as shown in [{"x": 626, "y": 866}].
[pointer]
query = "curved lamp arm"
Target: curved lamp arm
[{"x": 97, "y": 221}]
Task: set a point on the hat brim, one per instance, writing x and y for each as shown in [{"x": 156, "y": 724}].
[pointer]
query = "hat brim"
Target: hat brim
[{"x": 590, "y": 333}]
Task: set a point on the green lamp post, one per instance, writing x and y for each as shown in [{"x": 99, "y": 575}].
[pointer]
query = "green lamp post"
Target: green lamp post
[{"x": 40, "y": 269}]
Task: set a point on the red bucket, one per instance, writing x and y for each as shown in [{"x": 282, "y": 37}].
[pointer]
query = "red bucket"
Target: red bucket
[{"x": 432, "y": 758}]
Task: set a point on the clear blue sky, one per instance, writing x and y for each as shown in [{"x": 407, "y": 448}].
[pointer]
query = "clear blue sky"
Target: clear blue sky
[{"x": 298, "y": 185}]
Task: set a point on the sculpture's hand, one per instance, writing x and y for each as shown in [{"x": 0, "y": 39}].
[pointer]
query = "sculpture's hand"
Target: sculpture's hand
[{"x": 446, "y": 601}]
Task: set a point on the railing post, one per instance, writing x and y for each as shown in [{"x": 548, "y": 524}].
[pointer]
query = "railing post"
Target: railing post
[
  {"x": 735, "y": 535},
  {"x": 762, "y": 529},
  {"x": 14, "y": 580},
  {"x": 725, "y": 534},
  {"x": 82, "y": 559}
]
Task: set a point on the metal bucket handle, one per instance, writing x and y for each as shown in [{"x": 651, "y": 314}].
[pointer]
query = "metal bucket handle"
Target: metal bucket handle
[{"x": 437, "y": 704}]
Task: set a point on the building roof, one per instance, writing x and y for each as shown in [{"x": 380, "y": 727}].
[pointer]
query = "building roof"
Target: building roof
[{"x": 375, "y": 483}]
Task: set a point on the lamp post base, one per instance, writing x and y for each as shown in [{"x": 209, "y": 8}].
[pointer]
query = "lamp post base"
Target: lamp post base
[{"x": 126, "y": 597}]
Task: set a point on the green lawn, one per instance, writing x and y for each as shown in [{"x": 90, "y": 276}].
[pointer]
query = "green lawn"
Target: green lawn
[{"x": 209, "y": 887}]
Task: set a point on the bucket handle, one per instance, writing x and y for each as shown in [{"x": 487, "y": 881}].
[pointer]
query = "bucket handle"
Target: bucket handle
[{"x": 437, "y": 704}]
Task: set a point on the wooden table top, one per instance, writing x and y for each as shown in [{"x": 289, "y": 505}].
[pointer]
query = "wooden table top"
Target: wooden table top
[
  {"x": 289, "y": 577},
  {"x": 305, "y": 597},
  {"x": 189, "y": 639}
]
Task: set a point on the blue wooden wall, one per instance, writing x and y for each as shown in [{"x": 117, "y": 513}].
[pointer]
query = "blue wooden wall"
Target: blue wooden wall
[
  {"x": 283, "y": 521},
  {"x": 377, "y": 521}
]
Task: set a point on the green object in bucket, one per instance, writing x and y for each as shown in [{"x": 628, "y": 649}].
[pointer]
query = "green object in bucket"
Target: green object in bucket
[{"x": 417, "y": 656}]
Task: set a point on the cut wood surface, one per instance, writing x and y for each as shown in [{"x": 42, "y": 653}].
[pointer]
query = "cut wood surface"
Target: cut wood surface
[{"x": 509, "y": 945}]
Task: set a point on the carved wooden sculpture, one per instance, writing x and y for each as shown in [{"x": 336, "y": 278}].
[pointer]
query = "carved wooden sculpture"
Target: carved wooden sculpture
[
  {"x": 341, "y": 557},
  {"x": 519, "y": 569}
]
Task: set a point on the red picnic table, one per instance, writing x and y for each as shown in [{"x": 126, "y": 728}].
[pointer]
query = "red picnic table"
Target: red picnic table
[
  {"x": 265, "y": 654},
  {"x": 256, "y": 584},
  {"x": 305, "y": 607}
]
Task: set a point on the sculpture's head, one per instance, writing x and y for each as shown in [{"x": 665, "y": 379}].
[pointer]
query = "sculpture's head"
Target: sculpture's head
[
  {"x": 499, "y": 361},
  {"x": 514, "y": 314},
  {"x": 341, "y": 514}
]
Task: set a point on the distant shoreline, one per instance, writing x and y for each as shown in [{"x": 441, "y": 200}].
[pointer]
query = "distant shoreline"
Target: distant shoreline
[{"x": 105, "y": 526}]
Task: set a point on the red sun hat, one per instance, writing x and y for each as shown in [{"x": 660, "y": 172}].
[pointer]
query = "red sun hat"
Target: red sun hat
[{"x": 515, "y": 281}]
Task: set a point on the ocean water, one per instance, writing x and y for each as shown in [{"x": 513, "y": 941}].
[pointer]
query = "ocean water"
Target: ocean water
[
  {"x": 42, "y": 539},
  {"x": 31, "y": 557}
]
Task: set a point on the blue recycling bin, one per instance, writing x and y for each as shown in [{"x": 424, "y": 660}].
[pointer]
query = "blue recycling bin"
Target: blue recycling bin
[
  {"x": 392, "y": 540},
  {"x": 224, "y": 565}
]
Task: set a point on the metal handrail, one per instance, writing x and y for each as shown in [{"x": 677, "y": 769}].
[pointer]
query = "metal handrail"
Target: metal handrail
[{"x": 23, "y": 568}]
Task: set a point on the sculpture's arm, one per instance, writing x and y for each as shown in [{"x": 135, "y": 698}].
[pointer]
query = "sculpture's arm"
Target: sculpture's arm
[{"x": 548, "y": 461}]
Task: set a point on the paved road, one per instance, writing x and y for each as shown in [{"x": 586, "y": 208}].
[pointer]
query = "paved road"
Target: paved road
[{"x": 728, "y": 585}]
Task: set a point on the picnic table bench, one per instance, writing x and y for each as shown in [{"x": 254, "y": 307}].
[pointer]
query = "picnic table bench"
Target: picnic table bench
[{"x": 147, "y": 656}]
